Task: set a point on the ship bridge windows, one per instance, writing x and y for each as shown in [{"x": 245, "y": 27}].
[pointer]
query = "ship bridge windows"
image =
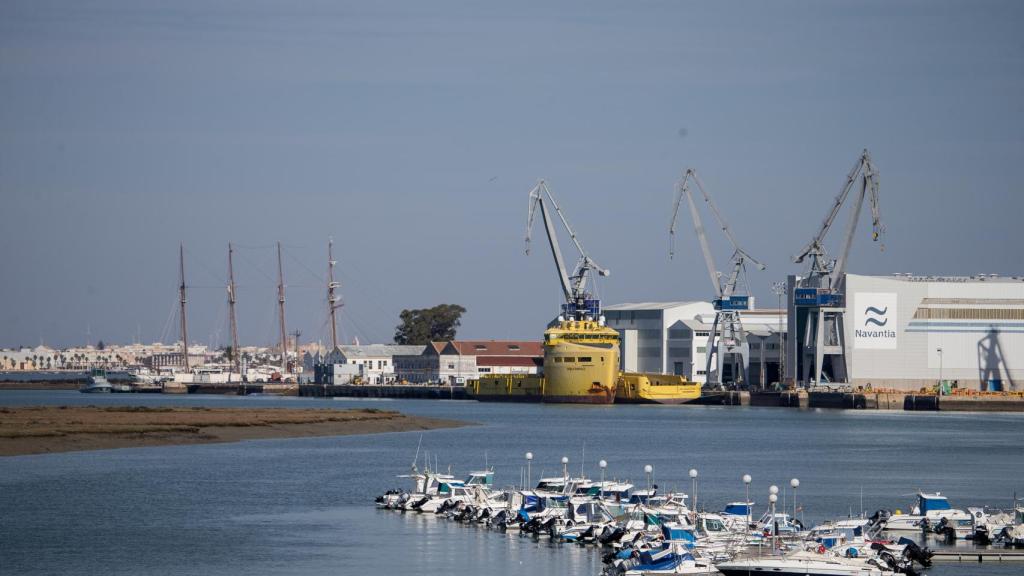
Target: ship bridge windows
[{"x": 586, "y": 359}]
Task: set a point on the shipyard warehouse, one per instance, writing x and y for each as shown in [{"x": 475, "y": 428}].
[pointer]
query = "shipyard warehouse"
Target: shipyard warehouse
[{"x": 909, "y": 332}]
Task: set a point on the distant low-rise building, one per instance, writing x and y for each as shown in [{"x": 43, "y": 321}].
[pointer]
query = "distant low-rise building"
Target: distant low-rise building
[
  {"x": 371, "y": 363},
  {"x": 455, "y": 361}
]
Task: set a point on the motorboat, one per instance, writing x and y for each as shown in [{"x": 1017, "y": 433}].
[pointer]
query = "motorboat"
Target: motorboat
[
  {"x": 933, "y": 513},
  {"x": 96, "y": 382},
  {"x": 805, "y": 563}
]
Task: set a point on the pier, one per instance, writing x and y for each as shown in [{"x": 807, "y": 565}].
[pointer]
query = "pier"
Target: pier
[
  {"x": 421, "y": 391},
  {"x": 978, "y": 556}
]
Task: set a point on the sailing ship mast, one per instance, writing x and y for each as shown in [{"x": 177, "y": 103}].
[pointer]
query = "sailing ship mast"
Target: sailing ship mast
[
  {"x": 332, "y": 298},
  {"x": 280, "y": 302},
  {"x": 235, "y": 356},
  {"x": 184, "y": 300}
]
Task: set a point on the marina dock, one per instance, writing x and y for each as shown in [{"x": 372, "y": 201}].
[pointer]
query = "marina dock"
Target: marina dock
[{"x": 1007, "y": 555}]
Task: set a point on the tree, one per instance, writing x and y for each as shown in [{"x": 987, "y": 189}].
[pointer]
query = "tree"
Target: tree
[
  {"x": 100, "y": 345},
  {"x": 426, "y": 325}
]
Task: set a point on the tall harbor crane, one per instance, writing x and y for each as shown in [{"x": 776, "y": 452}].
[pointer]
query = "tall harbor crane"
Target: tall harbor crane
[
  {"x": 579, "y": 304},
  {"x": 727, "y": 340},
  {"x": 819, "y": 297}
]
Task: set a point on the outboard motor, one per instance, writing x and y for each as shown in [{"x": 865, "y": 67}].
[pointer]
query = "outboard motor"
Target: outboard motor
[
  {"x": 915, "y": 553},
  {"x": 614, "y": 536},
  {"x": 981, "y": 536}
]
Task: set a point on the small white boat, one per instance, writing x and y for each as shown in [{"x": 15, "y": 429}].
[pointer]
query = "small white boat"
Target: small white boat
[
  {"x": 805, "y": 563},
  {"x": 96, "y": 382},
  {"x": 932, "y": 512}
]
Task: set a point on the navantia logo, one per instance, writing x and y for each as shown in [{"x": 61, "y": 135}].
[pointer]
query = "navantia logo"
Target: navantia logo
[
  {"x": 873, "y": 314},
  {"x": 875, "y": 320}
]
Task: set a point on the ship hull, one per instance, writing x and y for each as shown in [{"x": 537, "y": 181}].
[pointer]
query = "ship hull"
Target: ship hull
[{"x": 580, "y": 373}]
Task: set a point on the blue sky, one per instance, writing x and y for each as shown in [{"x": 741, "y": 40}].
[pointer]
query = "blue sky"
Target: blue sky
[{"x": 412, "y": 132}]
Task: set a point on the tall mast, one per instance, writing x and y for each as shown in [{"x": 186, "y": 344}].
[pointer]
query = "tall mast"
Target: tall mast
[
  {"x": 332, "y": 298},
  {"x": 280, "y": 303},
  {"x": 181, "y": 293},
  {"x": 235, "y": 356}
]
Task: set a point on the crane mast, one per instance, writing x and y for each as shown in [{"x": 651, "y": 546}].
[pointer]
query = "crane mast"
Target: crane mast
[
  {"x": 727, "y": 340},
  {"x": 579, "y": 304},
  {"x": 819, "y": 299}
]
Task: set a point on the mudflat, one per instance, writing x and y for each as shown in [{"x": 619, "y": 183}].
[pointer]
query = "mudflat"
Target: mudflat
[{"x": 43, "y": 429}]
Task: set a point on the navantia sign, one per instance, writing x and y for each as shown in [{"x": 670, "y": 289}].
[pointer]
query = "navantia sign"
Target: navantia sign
[{"x": 875, "y": 320}]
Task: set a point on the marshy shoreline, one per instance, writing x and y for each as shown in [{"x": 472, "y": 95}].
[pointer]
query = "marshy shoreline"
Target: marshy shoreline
[{"x": 48, "y": 429}]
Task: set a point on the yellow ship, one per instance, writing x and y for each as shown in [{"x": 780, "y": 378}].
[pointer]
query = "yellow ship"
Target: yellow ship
[
  {"x": 507, "y": 388},
  {"x": 635, "y": 388},
  {"x": 581, "y": 362}
]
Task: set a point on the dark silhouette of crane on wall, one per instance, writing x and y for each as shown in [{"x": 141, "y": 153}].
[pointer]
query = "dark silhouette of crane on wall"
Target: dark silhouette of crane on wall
[{"x": 992, "y": 361}]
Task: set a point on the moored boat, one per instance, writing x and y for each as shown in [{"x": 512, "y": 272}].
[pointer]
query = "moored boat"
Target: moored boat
[
  {"x": 636, "y": 388},
  {"x": 96, "y": 382}
]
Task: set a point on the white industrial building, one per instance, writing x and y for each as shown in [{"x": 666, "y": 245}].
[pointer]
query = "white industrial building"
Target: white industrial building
[
  {"x": 909, "y": 332},
  {"x": 672, "y": 338}
]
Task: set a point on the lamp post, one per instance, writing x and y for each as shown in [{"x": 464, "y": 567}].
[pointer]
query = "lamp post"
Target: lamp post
[
  {"x": 693, "y": 481},
  {"x": 746, "y": 485},
  {"x": 779, "y": 288},
  {"x": 529, "y": 460},
  {"x": 939, "y": 350},
  {"x": 648, "y": 469},
  {"x": 772, "y": 499},
  {"x": 603, "y": 465},
  {"x": 795, "y": 483},
  {"x": 565, "y": 467}
]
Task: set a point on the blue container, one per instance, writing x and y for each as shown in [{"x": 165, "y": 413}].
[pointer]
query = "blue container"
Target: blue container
[{"x": 995, "y": 385}]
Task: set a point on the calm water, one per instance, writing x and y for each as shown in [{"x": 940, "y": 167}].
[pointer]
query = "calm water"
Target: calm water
[{"x": 305, "y": 506}]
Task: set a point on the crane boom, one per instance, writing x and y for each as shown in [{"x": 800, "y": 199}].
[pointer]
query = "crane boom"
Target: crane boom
[
  {"x": 573, "y": 285},
  {"x": 869, "y": 188},
  {"x": 537, "y": 199},
  {"x": 698, "y": 225},
  {"x": 739, "y": 254}
]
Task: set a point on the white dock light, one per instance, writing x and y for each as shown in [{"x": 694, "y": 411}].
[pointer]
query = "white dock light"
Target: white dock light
[
  {"x": 773, "y": 490},
  {"x": 795, "y": 483},
  {"x": 529, "y": 460},
  {"x": 602, "y": 464},
  {"x": 746, "y": 486},
  {"x": 773, "y": 498},
  {"x": 693, "y": 479},
  {"x": 648, "y": 469},
  {"x": 565, "y": 466}
]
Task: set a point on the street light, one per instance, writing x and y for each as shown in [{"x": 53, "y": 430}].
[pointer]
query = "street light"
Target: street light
[
  {"x": 746, "y": 485},
  {"x": 779, "y": 288},
  {"x": 795, "y": 483},
  {"x": 693, "y": 480},
  {"x": 565, "y": 467},
  {"x": 603, "y": 465},
  {"x": 529, "y": 460},
  {"x": 648, "y": 469},
  {"x": 772, "y": 499},
  {"x": 939, "y": 350}
]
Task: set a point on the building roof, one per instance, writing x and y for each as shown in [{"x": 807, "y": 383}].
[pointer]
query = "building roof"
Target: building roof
[
  {"x": 379, "y": 350},
  {"x": 908, "y": 277},
  {"x": 494, "y": 348},
  {"x": 651, "y": 305}
]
